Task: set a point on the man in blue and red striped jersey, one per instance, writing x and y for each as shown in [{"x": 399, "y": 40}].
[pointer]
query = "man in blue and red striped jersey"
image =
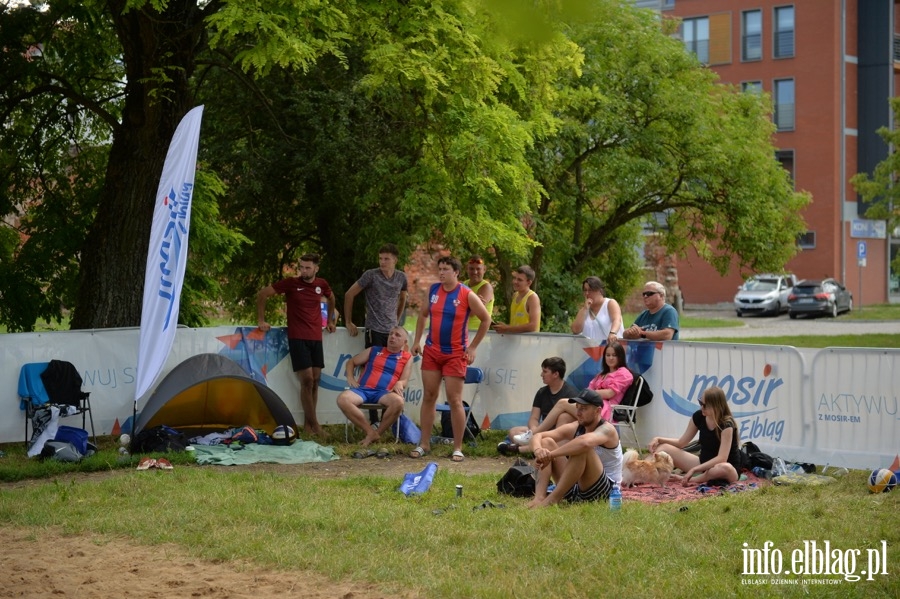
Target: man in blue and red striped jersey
[
  {"x": 383, "y": 381},
  {"x": 447, "y": 351}
]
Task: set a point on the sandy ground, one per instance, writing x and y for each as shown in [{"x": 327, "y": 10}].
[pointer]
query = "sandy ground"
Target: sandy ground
[{"x": 94, "y": 567}]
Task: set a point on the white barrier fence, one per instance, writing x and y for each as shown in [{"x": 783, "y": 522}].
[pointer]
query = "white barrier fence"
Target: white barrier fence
[{"x": 837, "y": 405}]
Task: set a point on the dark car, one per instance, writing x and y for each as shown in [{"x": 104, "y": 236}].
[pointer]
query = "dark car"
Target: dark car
[{"x": 825, "y": 296}]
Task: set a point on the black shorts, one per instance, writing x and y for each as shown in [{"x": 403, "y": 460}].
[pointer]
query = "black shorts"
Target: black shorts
[
  {"x": 376, "y": 338},
  {"x": 306, "y": 354},
  {"x": 596, "y": 492}
]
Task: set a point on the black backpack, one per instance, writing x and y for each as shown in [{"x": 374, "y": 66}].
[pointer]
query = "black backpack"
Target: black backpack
[
  {"x": 752, "y": 457},
  {"x": 157, "y": 439},
  {"x": 519, "y": 480},
  {"x": 633, "y": 398},
  {"x": 447, "y": 424}
]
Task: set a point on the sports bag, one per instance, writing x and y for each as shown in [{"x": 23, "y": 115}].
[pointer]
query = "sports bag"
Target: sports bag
[
  {"x": 752, "y": 457},
  {"x": 447, "y": 424},
  {"x": 519, "y": 480},
  {"x": 158, "y": 438}
]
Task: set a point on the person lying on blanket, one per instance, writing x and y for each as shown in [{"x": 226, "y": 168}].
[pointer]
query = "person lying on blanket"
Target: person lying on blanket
[
  {"x": 719, "y": 459},
  {"x": 583, "y": 458}
]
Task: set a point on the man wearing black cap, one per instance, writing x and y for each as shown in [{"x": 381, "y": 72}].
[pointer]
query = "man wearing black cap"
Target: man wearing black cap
[{"x": 584, "y": 457}]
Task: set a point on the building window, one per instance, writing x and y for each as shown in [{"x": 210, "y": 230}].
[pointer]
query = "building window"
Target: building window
[
  {"x": 784, "y": 32},
  {"x": 695, "y": 34},
  {"x": 752, "y": 87},
  {"x": 751, "y": 37},
  {"x": 786, "y": 158},
  {"x": 668, "y": 4},
  {"x": 784, "y": 104},
  {"x": 807, "y": 241}
]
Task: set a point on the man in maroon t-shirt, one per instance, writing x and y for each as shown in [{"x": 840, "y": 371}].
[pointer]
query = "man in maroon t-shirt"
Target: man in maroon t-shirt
[{"x": 303, "y": 298}]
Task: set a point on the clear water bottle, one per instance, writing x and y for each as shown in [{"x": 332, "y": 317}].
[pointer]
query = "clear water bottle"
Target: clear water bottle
[
  {"x": 778, "y": 467},
  {"x": 797, "y": 469},
  {"x": 615, "y": 499},
  {"x": 761, "y": 472}
]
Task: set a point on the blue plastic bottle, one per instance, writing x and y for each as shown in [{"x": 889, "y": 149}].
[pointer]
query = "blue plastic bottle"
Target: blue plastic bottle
[{"x": 615, "y": 499}]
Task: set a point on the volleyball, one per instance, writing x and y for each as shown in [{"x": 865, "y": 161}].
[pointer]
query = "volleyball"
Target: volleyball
[
  {"x": 124, "y": 440},
  {"x": 284, "y": 433},
  {"x": 882, "y": 480}
]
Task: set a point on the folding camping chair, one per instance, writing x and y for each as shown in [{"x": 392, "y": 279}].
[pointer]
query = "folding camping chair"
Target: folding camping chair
[
  {"x": 474, "y": 376},
  {"x": 44, "y": 385},
  {"x": 625, "y": 414}
]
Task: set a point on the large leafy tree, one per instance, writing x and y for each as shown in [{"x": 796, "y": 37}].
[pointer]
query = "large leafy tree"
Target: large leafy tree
[
  {"x": 649, "y": 139},
  {"x": 425, "y": 74},
  {"x": 91, "y": 94}
]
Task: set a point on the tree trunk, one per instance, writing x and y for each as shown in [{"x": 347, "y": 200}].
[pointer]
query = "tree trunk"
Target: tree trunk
[{"x": 110, "y": 292}]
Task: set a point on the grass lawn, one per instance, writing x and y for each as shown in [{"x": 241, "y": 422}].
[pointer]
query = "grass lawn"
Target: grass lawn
[{"x": 360, "y": 528}]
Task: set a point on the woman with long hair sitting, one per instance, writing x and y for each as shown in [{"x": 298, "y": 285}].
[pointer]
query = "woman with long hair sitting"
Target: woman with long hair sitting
[{"x": 719, "y": 458}]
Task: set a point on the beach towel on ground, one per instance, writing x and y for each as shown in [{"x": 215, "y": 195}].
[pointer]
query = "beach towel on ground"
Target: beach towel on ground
[{"x": 301, "y": 452}]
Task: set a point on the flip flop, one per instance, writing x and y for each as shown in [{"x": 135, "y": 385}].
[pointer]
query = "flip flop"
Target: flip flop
[
  {"x": 146, "y": 464},
  {"x": 363, "y": 453},
  {"x": 488, "y": 503},
  {"x": 382, "y": 453},
  {"x": 419, "y": 452},
  {"x": 457, "y": 456}
]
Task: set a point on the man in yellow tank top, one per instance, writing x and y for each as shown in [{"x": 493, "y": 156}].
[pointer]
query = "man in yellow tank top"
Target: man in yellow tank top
[
  {"x": 477, "y": 283},
  {"x": 525, "y": 309}
]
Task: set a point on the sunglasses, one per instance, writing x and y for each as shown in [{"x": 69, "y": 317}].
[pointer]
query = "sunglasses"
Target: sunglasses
[
  {"x": 702, "y": 404},
  {"x": 649, "y": 293}
]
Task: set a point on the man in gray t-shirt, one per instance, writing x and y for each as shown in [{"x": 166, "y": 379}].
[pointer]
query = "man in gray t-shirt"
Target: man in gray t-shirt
[{"x": 385, "y": 289}]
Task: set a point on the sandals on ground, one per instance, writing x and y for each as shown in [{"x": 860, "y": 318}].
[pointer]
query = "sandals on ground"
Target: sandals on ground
[
  {"x": 457, "y": 456},
  {"x": 419, "y": 452},
  {"x": 363, "y": 453}
]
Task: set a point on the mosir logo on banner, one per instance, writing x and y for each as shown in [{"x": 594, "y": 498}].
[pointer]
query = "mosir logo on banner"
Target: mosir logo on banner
[{"x": 750, "y": 399}]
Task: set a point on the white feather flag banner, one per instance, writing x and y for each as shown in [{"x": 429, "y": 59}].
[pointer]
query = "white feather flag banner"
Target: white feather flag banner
[{"x": 167, "y": 254}]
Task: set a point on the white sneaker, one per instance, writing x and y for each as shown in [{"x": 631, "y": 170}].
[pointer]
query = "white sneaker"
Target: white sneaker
[{"x": 523, "y": 438}]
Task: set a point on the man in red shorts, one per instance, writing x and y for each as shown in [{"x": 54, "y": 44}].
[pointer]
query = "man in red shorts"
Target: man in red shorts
[{"x": 447, "y": 351}]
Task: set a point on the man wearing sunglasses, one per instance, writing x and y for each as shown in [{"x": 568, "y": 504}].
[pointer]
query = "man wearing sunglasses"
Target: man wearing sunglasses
[{"x": 659, "y": 322}]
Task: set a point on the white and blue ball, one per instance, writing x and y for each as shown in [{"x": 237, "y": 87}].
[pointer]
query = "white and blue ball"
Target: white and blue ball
[
  {"x": 282, "y": 433},
  {"x": 882, "y": 480}
]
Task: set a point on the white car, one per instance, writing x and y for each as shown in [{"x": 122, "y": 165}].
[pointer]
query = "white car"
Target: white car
[{"x": 764, "y": 294}]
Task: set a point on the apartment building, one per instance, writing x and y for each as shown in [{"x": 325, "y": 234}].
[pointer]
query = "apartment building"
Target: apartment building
[{"x": 829, "y": 67}]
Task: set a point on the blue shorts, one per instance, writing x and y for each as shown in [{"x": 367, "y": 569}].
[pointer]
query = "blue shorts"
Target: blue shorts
[{"x": 369, "y": 395}]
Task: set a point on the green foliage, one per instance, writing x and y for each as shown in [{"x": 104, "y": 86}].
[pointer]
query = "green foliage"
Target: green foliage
[
  {"x": 553, "y": 135},
  {"x": 880, "y": 189},
  {"x": 647, "y": 137}
]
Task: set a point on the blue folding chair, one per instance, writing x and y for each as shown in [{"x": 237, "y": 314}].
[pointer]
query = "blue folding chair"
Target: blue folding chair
[
  {"x": 474, "y": 376},
  {"x": 56, "y": 383}
]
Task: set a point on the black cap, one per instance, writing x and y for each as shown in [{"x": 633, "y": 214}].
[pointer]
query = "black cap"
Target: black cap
[{"x": 588, "y": 397}]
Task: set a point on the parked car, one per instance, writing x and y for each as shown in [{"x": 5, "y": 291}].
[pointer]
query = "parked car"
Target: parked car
[
  {"x": 825, "y": 296},
  {"x": 764, "y": 294}
]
